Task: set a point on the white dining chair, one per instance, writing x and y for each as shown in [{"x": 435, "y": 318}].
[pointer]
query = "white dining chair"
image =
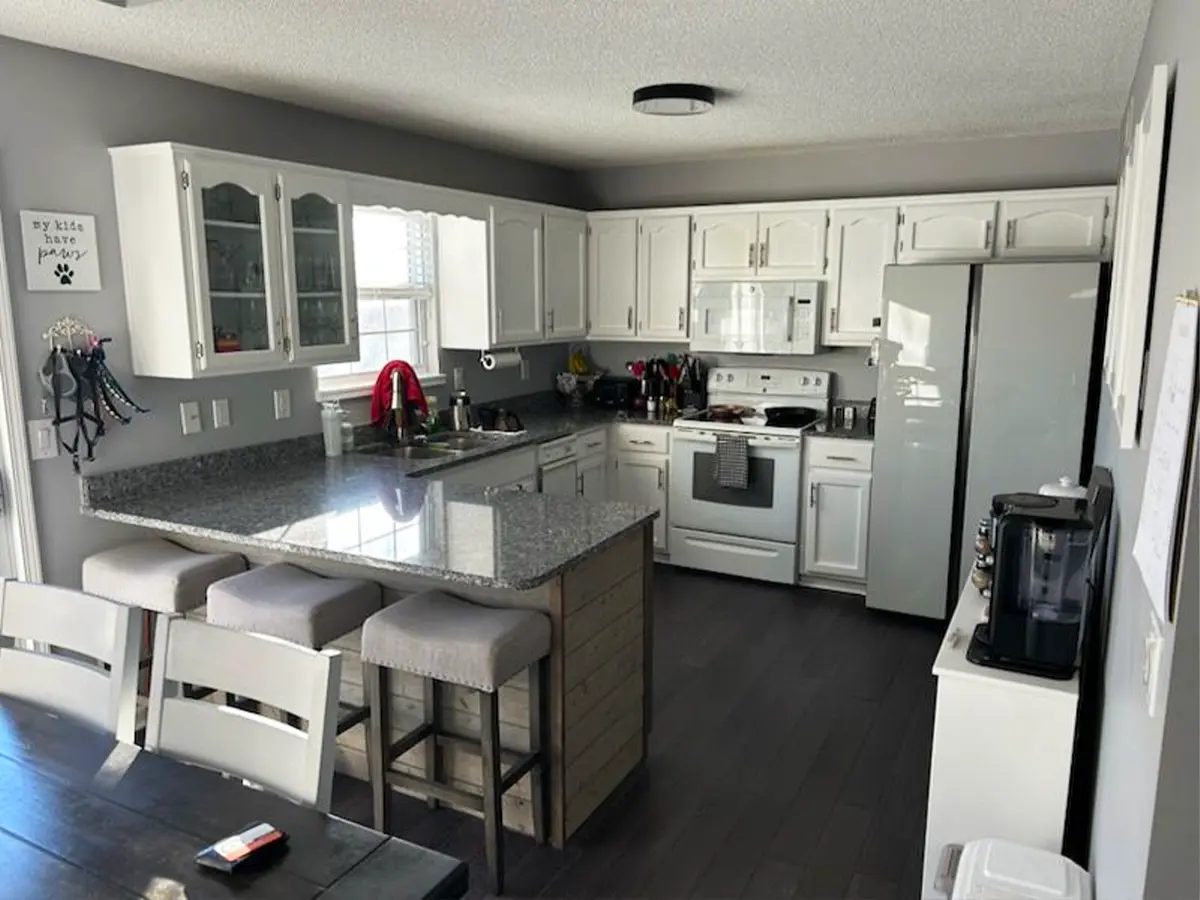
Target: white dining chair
[
  {"x": 71, "y": 652},
  {"x": 295, "y": 763}
]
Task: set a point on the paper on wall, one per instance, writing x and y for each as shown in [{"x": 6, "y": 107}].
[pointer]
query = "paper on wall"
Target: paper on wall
[{"x": 1156, "y": 545}]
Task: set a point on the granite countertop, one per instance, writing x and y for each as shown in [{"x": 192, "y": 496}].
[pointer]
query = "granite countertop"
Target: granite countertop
[
  {"x": 378, "y": 512},
  {"x": 858, "y": 432}
]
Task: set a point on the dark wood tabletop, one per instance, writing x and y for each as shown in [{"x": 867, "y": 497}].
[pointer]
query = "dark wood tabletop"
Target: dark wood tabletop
[{"x": 82, "y": 816}]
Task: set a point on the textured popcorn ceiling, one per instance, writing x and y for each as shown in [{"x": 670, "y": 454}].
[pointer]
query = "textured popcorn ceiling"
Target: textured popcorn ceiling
[{"x": 552, "y": 79}]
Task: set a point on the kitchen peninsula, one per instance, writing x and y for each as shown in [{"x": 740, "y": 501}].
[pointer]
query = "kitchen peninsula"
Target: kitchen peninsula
[{"x": 405, "y": 524}]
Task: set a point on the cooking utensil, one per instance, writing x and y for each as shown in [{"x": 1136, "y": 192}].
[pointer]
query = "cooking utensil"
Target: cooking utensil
[{"x": 791, "y": 416}]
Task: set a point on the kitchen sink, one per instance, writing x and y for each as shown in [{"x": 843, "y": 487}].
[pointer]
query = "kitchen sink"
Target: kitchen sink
[
  {"x": 459, "y": 441},
  {"x": 413, "y": 451}
]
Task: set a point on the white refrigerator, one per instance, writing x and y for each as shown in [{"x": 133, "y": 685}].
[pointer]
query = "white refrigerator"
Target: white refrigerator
[{"x": 988, "y": 384}]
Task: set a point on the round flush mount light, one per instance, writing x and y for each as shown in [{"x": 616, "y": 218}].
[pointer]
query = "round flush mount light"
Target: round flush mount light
[{"x": 674, "y": 99}]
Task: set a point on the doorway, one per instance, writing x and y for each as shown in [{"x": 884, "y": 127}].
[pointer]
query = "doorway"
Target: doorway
[{"x": 19, "y": 553}]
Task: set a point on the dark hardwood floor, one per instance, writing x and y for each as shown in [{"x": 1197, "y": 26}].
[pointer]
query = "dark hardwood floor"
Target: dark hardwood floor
[{"x": 789, "y": 758}]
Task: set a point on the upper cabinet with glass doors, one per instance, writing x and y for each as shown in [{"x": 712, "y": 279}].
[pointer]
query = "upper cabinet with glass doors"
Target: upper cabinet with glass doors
[{"x": 232, "y": 265}]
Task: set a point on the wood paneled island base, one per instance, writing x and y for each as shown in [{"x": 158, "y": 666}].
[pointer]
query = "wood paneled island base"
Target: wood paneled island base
[{"x": 598, "y": 714}]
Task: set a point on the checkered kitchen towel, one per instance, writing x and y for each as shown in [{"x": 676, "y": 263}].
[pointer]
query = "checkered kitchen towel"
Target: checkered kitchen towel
[{"x": 733, "y": 462}]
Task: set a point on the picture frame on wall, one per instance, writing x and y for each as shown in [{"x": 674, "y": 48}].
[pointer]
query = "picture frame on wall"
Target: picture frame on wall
[{"x": 60, "y": 251}]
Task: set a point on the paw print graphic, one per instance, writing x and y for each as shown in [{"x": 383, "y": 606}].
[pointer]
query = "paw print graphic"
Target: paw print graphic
[{"x": 64, "y": 273}]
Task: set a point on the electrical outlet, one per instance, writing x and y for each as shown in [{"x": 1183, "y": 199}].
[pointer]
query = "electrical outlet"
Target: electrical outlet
[
  {"x": 524, "y": 370},
  {"x": 43, "y": 439},
  {"x": 1152, "y": 648},
  {"x": 283, "y": 403},
  {"x": 220, "y": 413},
  {"x": 189, "y": 415}
]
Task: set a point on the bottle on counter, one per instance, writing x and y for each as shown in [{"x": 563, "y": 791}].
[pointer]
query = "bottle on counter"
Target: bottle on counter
[{"x": 331, "y": 428}]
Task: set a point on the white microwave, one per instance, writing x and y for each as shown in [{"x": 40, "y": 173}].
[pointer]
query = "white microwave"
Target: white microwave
[{"x": 761, "y": 317}]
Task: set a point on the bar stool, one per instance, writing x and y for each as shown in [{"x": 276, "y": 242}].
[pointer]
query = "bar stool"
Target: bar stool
[
  {"x": 290, "y": 603},
  {"x": 445, "y": 639},
  {"x": 157, "y": 577}
]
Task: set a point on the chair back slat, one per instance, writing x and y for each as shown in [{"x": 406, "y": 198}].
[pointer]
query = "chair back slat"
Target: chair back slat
[
  {"x": 63, "y": 685},
  {"x": 242, "y": 743},
  {"x": 293, "y": 763},
  {"x": 273, "y": 671},
  {"x": 84, "y": 625}
]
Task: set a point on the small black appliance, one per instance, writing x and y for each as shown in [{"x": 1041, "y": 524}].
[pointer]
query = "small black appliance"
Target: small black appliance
[
  {"x": 614, "y": 392},
  {"x": 1043, "y": 580}
]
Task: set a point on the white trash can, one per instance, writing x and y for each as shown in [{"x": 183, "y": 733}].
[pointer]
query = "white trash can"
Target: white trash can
[{"x": 994, "y": 869}]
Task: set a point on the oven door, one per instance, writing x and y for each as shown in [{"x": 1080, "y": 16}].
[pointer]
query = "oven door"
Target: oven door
[{"x": 768, "y": 508}]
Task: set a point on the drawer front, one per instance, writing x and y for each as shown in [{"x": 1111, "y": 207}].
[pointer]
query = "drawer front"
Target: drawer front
[
  {"x": 591, "y": 443},
  {"x": 563, "y": 448},
  {"x": 643, "y": 438},
  {"x": 840, "y": 453}
]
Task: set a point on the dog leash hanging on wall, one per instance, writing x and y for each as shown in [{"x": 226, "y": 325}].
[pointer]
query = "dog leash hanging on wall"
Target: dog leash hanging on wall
[{"x": 82, "y": 387}]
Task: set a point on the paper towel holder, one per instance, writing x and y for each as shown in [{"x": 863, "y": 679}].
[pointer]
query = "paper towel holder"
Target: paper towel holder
[{"x": 501, "y": 359}]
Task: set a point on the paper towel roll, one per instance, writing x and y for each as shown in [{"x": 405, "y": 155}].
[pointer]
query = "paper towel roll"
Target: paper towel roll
[{"x": 505, "y": 359}]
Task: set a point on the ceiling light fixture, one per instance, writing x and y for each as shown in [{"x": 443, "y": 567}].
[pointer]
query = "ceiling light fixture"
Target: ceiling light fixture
[{"x": 674, "y": 99}]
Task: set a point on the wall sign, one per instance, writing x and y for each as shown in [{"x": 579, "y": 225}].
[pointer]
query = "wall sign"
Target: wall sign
[{"x": 60, "y": 251}]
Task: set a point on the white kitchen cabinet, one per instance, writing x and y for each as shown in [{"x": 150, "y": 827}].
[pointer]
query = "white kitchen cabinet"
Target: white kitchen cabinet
[
  {"x": 559, "y": 479},
  {"x": 725, "y": 245},
  {"x": 213, "y": 276},
  {"x": 775, "y": 244},
  {"x": 835, "y": 522},
  {"x": 517, "y": 275},
  {"x": 642, "y": 479},
  {"x": 792, "y": 243},
  {"x": 1048, "y": 227},
  {"x": 592, "y": 478},
  {"x": 862, "y": 242},
  {"x": 612, "y": 277},
  {"x": 947, "y": 231},
  {"x": 565, "y": 260},
  {"x": 321, "y": 323},
  {"x": 663, "y": 277}
]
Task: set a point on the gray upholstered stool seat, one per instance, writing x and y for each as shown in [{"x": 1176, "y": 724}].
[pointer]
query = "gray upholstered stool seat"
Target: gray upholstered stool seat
[
  {"x": 436, "y": 635},
  {"x": 289, "y": 603},
  {"x": 156, "y": 575},
  {"x": 445, "y": 639}
]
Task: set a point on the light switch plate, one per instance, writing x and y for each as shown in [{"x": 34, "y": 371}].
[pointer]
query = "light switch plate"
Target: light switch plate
[
  {"x": 220, "y": 413},
  {"x": 283, "y": 403},
  {"x": 189, "y": 416},
  {"x": 43, "y": 439}
]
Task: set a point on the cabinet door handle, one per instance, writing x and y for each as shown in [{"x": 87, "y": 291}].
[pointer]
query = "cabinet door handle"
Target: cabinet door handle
[
  {"x": 987, "y": 235},
  {"x": 843, "y": 458},
  {"x": 579, "y": 485},
  {"x": 641, "y": 443},
  {"x": 629, "y": 319},
  {"x": 750, "y": 257},
  {"x": 706, "y": 312},
  {"x": 812, "y": 495},
  {"x": 551, "y": 320},
  {"x": 1010, "y": 233},
  {"x": 762, "y": 255},
  {"x": 833, "y": 319},
  {"x": 791, "y": 303},
  {"x": 660, "y": 479},
  {"x": 595, "y": 445},
  {"x": 287, "y": 346},
  {"x": 681, "y": 315}
]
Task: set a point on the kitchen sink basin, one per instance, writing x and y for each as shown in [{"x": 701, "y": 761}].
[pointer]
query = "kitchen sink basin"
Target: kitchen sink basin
[
  {"x": 458, "y": 441},
  {"x": 414, "y": 451}
]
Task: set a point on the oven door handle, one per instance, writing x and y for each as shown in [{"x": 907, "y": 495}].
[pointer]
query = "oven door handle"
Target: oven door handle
[{"x": 706, "y": 440}]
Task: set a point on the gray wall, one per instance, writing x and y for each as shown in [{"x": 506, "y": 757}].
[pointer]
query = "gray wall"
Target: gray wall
[
  {"x": 852, "y": 381},
  {"x": 60, "y": 112},
  {"x": 1135, "y": 770},
  {"x": 1061, "y": 160}
]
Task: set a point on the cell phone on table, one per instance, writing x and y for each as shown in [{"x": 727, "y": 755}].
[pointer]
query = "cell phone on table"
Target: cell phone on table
[{"x": 252, "y": 847}]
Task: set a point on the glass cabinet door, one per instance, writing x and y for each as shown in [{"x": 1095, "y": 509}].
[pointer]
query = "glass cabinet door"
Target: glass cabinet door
[
  {"x": 321, "y": 317},
  {"x": 235, "y": 220}
]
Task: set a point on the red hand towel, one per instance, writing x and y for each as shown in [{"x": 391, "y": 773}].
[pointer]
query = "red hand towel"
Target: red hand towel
[{"x": 410, "y": 389}]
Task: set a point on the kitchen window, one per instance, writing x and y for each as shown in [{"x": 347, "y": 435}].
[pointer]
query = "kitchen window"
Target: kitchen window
[{"x": 397, "y": 290}]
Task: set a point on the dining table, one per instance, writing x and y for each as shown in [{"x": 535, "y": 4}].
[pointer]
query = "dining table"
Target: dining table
[{"x": 85, "y": 817}]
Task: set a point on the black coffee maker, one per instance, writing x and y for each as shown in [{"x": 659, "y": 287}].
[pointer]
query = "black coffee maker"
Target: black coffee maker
[{"x": 1043, "y": 577}]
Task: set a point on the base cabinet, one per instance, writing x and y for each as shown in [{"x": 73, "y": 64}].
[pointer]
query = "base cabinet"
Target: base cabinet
[
  {"x": 835, "y": 531},
  {"x": 592, "y": 478},
  {"x": 642, "y": 479}
]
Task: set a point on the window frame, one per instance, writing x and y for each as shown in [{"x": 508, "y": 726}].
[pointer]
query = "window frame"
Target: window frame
[{"x": 361, "y": 384}]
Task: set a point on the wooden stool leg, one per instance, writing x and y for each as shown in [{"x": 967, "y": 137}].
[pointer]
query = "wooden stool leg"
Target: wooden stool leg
[
  {"x": 379, "y": 734},
  {"x": 493, "y": 817},
  {"x": 433, "y": 753},
  {"x": 538, "y": 673}
]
